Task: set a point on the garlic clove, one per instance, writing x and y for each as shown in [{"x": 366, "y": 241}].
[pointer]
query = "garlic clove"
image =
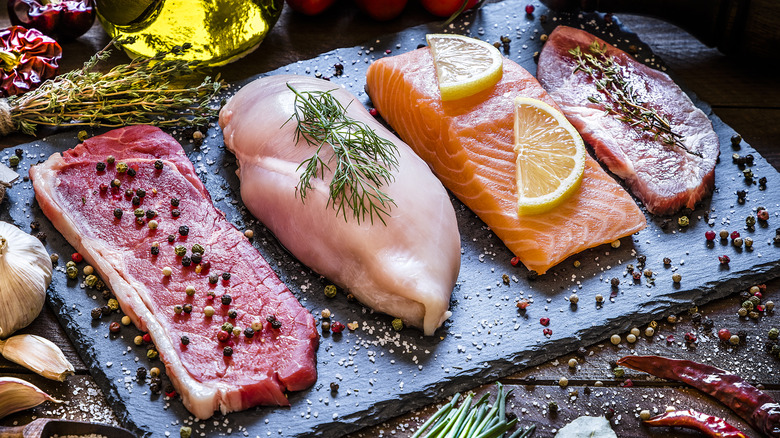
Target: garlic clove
[
  {"x": 37, "y": 354},
  {"x": 18, "y": 395}
]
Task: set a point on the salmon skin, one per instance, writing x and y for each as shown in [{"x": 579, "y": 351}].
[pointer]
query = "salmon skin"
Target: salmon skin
[
  {"x": 663, "y": 176},
  {"x": 469, "y": 144}
]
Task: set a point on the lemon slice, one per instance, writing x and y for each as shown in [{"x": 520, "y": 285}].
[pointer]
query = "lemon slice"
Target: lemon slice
[
  {"x": 550, "y": 156},
  {"x": 464, "y": 66}
]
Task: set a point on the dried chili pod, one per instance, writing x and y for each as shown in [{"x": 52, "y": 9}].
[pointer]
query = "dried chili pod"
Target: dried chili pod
[
  {"x": 712, "y": 426},
  {"x": 27, "y": 58},
  {"x": 753, "y": 405},
  {"x": 61, "y": 20}
]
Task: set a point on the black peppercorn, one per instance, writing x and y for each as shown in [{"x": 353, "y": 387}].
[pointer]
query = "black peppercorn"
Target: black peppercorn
[
  {"x": 155, "y": 385},
  {"x": 226, "y": 276},
  {"x": 105, "y": 310},
  {"x": 118, "y": 213},
  {"x": 641, "y": 259},
  {"x": 736, "y": 139},
  {"x": 696, "y": 317},
  {"x": 227, "y": 351},
  {"x": 615, "y": 282},
  {"x": 707, "y": 323},
  {"x": 185, "y": 340},
  {"x": 184, "y": 230},
  {"x": 196, "y": 258},
  {"x": 158, "y": 164},
  {"x": 175, "y": 202},
  {"x": 187, "y": 308},
  {"x": 213, "y": 278},
  {"x": 96, "y": 313},
  {"x": 175, "y": 213},
  {"x": 334, "y": 387},
  {"x": 275, "y": 323},
  {"x": 171, "y": 238},
  {"x": 131, "y": 172},
  {"x": 155, "y": 250},
  {"x": 248, "y": 332},
  {"x": 140, "y": 374},
  {"x": 100, "y": 166},
  {"x": 232, "y": 314},
  {"x": 19, "y": 152},
  {"x": 136, "y": 200},
  {"x": 185, "y": 261},
  {"x": 150, "y": 214},
  {"x": 226, "y": 300}
]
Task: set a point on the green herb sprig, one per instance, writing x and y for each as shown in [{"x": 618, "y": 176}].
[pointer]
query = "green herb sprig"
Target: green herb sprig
[
  {"x": 364, "y": 160},
  {"x": 151, "y": 91},
  {"x": 472, "y": 421},
  {"x": 620, "y": 99}
]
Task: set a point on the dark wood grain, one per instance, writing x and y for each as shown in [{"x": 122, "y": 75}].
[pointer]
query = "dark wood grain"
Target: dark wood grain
[{"x": 745, "y": 95}]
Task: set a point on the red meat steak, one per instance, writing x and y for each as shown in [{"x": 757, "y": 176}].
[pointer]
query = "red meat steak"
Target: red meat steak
[
  {"x": 81, "y": 203},
  {"x": 664, "y": 177}
]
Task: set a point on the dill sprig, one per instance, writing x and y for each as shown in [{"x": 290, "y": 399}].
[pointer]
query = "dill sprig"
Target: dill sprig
[
  {"x": 151, "y": 91},
  {"x": 620, "y": 99},
  {"x": 364, "y": 160}
]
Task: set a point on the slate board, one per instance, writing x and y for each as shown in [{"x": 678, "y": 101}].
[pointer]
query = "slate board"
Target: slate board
[{"x": 382, "y": 373}]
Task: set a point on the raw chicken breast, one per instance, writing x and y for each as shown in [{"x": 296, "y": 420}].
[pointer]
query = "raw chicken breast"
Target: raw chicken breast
[{"x": 406, "y": 268}]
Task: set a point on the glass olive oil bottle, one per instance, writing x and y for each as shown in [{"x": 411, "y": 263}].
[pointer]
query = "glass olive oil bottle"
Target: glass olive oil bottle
[{"x": 220, "y": 31}]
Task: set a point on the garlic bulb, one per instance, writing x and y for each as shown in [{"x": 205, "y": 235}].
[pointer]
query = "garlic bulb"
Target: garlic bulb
[
  {"x": 25, "y": 273},
  {"x": 18, "y": 395},
  {"x": 37, "y": 354}
]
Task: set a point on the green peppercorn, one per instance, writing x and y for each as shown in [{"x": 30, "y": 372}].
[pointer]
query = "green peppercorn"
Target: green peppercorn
[
  {"x": 742, "y": 312},
  {"x": 228, "y": 327},
  {"x": 152, "y": 354},
  {"x": 683, "y": 221},
  {"x": 180, "y": 250},
  {"x": 158, "y": 164},
  {"x": 90, "y": 280},
  {"x": 747, "y": 305},
  {"x": 13, "y": 160},
  {"x": 110, "y": 159},
  {"x": 773, "y": 333},
  {"x": 197, "y": 248},
  {"x": 113, "y": 304},
  {"x": 118, "y": 213},
  {"x": 72, "y": 272},
  {"x": 121, "y": 167},
  {"x": 755, "y": 300},
  {"x": 185, "y": 431},
  {"x": 618, "y": 372},
  {"x": 753, "y": 315},
  {"x": 330, "y": 291},
  {"x": 398, "y": 324},
  {"x": 139, "y": 212},
  {"x": 750, "y": 220}
]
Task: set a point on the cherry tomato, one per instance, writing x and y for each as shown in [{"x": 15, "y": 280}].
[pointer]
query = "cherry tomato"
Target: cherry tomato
[
  {"x": 445, "y": 8},
  {"x": 382, "y": 10},
  {"x": 310, "y": 7}
]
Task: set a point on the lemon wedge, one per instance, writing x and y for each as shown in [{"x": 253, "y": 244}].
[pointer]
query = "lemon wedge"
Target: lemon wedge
[
  {"x": 464, "y": 66},
  {"x": 550, "y": 156}
]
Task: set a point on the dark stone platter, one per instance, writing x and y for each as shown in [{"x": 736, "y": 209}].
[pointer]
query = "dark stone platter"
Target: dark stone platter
[{"x": 382, "y": 373}]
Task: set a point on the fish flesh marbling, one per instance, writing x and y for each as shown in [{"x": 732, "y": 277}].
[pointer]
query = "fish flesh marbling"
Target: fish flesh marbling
[{"x": 406, "y": 268}]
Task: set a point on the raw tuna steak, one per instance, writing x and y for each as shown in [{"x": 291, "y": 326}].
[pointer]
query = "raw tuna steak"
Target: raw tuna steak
[
  {"x": 214, "y": 370},
  {"x": 664, "y": 176}
]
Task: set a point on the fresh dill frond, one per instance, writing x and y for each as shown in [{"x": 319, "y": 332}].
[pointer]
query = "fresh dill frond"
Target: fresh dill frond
[
  {"x": 151, "y": 91},
  {"x": 620, "y": 99},
  {"x": 364, "y": 160}
]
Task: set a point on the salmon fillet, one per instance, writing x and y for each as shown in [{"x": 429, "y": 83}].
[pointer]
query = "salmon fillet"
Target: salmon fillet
[
  {"x": 664, "y": 177},
  {"x": 469, "y": 144}
]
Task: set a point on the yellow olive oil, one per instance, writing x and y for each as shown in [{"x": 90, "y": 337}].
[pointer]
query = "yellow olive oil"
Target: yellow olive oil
[{"x": 220, "y": 31}]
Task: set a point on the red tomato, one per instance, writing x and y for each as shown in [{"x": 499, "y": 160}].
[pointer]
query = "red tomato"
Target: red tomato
[
  {"x": 445, "y": 8},
  {"x": 310, "y": 7},
  {"x": 382, "y": 10}
]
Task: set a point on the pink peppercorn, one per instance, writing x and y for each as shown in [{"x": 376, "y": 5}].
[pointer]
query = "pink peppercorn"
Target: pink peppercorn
[
  {"x": 710, "y": 235},
  {"x": 147, "y": 337},
  {"x": 515, "y": 261},
  {"x": 522, "y": 304},
  {"x": 529, "y": 9},
  {"x": 627, "y": 384},
  {"x": 223, "y": 336},
  {"x": 670, "y": 339},
  {"x": 734, "y": 235},
  {"x": 76, "y": 257},
  {"x": 690, "y": 337},
  {"x": 762, "y": 215},
  {"x": 547, "y": 332},
  {"x": 544, "y": 321},
  {"x": 336, "y": 327},
  {"x": 724, "y": 259},
  {"x": 724, "y": 335},
  {"x": 373, "y": 112}
]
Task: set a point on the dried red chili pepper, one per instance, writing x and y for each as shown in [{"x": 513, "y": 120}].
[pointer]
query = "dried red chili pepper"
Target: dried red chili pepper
[
  {"x": 27, "y": 58},
  {"x": 711, "y": 426},
  {"x": 68, "y": 19},
  {"x": 754, "y": 406}
]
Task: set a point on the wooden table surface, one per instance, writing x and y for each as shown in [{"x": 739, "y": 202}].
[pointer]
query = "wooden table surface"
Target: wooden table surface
[{"x": 745, "y": 95}]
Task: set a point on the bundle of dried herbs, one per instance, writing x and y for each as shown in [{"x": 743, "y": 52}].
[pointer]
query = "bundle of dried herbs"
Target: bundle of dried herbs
[{"x": 150, "y": 91}]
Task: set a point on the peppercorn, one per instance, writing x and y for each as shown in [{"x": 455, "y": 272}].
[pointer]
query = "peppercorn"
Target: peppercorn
[
  {"x": 641, "y": 259},
  {"x": 213, "y": 278},
  {"x": 748, "y": 305},
  {"x": 96, "y": 313},
  {"x": 724, "y": 259},
  {"x": 748, "y": 242},
  {"x": 334, "y": 387},
  {"x": 116, "y": 183},
  {"x": 724, "y": 234},
  {"x": 618, "y": 372},
  {"x": 155, "y": 250},
  {"x": 683, "y": 221},
  {"x": 118, "y": 213},
  {"x": 615, "y": 282},
  {"x": 175, "y": 202},
  {"x": 226, "y": 276},
  {"x": 649, "y": 332},
  {"x": 636, "y": 275},
  {"x": 249, "y": 234},
  {"x": 13, "y": 160},
  {"x": 599, "y": 298},
  {"x": 750, "y": 220},
  {"x": 336, "y": 327},
  {"x": 763, "y": 214},
  {"x": 185, "y": 432},
  {"x": 232, "y": 313},
  {"x": 139, "y": 212},
  {"x": 72, "y": 272},
  {"x": 574, "y": 299},
  {"x": 736, "y": 139},
  {"x": 110, "y": 160},
  {"x": 275, "y": 323},
  {"x": 773, "y": 333},
  {"x": 227, "y": 351},
  {"x": 167, "y": 271},
  {"x": 615, "y": 339},
  {"x": 152, "y": 354},
  {"x": 228, "y": 327},
  {"x": 755, "y": 299},
  {"x": 769, "y": 306},
  {"x": 668, "y": 261},
  {"x": 325, "y": 313},
  {"x": 226, "y": 300},
  {"x": 100, "y": 166},
  {"x": 158, "y": 164},
  {"x": 648, "y": 273},
  {"x": 330, "y": 291},
  {"x": 398, "y": 324},
  {"x": 325, "y": 326},
  {"x": 184, "y": 230},
  {"x": 690, "y": 338},
  {"x": 748, "y": 174},
  {"x": 630, "y": 267},
  {"x": 186, "y": 261},
  {"x": 631, "y": 338},
  {"x": 737, "y": 242},
  {"x": 753, "y": 315},
  {"x": 155, "y": 386}
]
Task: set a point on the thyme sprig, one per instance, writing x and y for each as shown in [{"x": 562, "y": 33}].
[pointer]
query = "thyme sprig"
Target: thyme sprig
[
  {"x": 151, "y": 91},
  {"x": 364, "y": 160},
  {"x": 619, "y": 98}
]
